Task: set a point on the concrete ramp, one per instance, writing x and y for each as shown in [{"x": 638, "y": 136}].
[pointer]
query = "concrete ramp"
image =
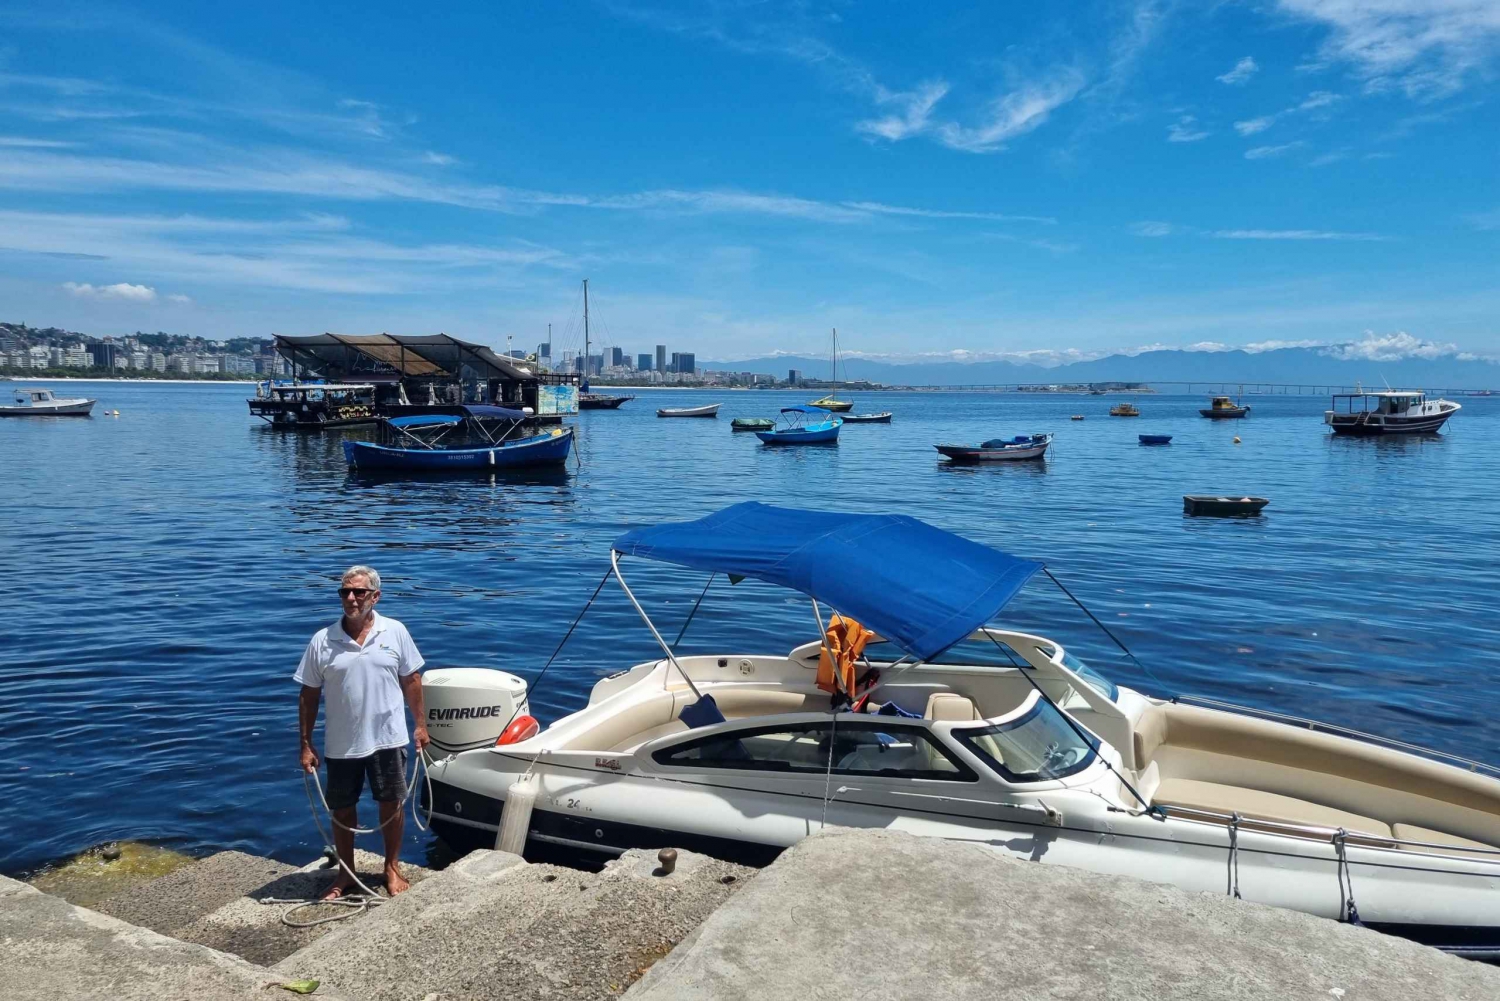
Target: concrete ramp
[
  {"x": 490, "y": 926},
  {"x": 876, "y": 915},
  {"x": 51, "y": 949}
]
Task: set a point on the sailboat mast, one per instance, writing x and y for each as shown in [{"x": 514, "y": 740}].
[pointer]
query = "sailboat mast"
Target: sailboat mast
[
  {"x": 835, "y": 363},
  {"x": 585, "y": 329}
]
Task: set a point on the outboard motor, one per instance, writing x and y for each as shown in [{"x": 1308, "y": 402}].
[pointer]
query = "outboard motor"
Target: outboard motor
[{"x": 468, "y": 707}]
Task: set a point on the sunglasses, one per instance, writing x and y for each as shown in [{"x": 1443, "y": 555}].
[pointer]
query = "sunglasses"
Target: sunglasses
[{"x": 358, "y": 592}]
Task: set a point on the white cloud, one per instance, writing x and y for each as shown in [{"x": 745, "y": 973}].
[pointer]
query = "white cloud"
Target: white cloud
[
  {"x": 1315, "y": 101},
  {"x": 24, "y": 142},
  {"x": 1014, "y": 114},
  {"x": 1254, "y": 125},
  {"x": 1390, "y": 347},
  {"x": 1426, "y": 48},
  {"x": 1294, "y": 234},
  {"x": 178, "y": 297},
  {"x": 1186, "y": 130},
  {"x": 913, "y": 111},
  {"x": 1150, "y": 228},
  {"x": 1325, "y": 159},
  {"x": 440, "y": 159},
  {"x": 882, "y": 209},
  {"x": 1262, "y": 152},
  {"x": 1485, "y": 220},
  {"x": 1260, "y": 346},
  {"x": 1241, "y": 73},
  {"x": 1318, "y": 99},
  {"x": 132, "y": 293}
]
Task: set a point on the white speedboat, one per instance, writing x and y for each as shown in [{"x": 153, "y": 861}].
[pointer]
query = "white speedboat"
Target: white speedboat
[
  {"x": 42, "y": 403},
  {"x": 962, "y": 730},
  {"x": 1390, "y": 412}
]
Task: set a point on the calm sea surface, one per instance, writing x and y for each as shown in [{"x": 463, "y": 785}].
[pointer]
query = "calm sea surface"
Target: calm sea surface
[{"x": 163, "y": 570}]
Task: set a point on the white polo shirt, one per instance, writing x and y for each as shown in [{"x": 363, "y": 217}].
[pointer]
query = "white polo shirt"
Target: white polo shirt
[{"x": 363, "y": 711}]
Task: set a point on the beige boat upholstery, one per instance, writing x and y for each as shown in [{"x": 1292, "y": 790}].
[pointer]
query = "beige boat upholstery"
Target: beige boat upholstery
[
  {"x": 946, "y": 707},
  {"x": 1226, "y": 763},
  {"x": 645, "y": 721}
]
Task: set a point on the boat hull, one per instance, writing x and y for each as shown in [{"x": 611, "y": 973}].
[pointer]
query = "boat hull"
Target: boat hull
[
  {"x": 1220, "y": 415},
  {"x": 68, "y": 408},
  {"x": 709, "y": 411},
  {"x": 1345, "y": 424},
  {"x": 868, "y": 419},
  {"x": 801, "y": 436},
  {"x": 971, "y": 453},
  {"x": 1223, "y": 506},
  {"x": 833, "y": 406},
  {"x": 599, "y": 401},
  {"x": 535, "y": 450}
]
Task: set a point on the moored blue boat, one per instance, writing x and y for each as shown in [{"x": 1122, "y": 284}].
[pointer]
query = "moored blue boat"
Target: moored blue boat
[
  {"x": 423, "y": 448},
  {"x": 798, "y": 432},
  {"x": 1155, "y": 439}
]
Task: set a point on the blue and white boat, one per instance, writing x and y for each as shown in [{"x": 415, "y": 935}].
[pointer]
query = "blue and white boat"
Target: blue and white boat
[
  {"x": 1022, "y": 446},
  {"x": 477, "y": 440},
  {"x": 961, "y": 728},
  {"x": 800, "y": 431}
]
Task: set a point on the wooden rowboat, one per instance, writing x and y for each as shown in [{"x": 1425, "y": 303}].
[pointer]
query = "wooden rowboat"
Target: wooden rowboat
[{"x": 708, "y": 410}]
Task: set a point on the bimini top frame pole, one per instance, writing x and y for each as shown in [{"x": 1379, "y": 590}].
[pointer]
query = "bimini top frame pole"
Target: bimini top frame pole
[{"x": 614, "y": 562}]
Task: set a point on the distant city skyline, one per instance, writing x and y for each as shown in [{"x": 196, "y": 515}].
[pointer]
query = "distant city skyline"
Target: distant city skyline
[{"x": 1060, "y": 183}]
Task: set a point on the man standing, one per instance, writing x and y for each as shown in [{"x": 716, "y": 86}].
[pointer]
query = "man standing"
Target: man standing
[{"x": 368, "y": 663}]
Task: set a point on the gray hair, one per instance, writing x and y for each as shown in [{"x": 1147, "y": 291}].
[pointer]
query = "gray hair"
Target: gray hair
[{"x": 369, "y": 573}]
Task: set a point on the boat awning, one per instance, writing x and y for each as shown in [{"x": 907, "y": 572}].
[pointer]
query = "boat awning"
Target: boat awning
[
  {"x": 338, "y": 356},
  {"x": 487, "y": 412},
  {"x": 804, "y": 410},
  {"x": 423, "y": 420},
  {"x": 920, "y": 587}
]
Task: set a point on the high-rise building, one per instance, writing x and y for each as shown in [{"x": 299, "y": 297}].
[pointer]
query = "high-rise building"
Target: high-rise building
[
  {"x": 102, "y": 355},
  {"x": 643, "y": 362},
  {"x": 687, "y": 363},
  {"x": 661, "y": 357},
  {"x": 616, "y": 357},
  {"x": 794, "y": 376},
  {"x": 672, "y": 365}
]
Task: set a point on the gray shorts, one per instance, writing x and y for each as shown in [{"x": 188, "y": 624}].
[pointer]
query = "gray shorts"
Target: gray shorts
[{"x": 346, "y": 778}]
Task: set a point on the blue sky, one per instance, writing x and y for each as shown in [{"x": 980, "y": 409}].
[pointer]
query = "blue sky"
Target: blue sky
[{"x": 1043, "y": 180}]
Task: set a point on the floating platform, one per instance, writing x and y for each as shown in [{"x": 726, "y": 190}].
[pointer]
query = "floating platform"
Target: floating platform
[{"x": 1222, "y": 506}]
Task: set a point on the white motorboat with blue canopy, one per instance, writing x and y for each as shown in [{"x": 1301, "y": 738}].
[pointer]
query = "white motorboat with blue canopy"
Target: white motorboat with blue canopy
[{"x": 910, "y": 709}]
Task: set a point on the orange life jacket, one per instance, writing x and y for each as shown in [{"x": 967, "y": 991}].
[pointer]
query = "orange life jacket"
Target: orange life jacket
[{"x": 845, "y": 642}]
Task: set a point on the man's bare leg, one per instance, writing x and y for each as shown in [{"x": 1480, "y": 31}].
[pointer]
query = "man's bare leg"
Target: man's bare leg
[
  {"x": 343, "y": 843},
  {"x": 393, "y": 825}
]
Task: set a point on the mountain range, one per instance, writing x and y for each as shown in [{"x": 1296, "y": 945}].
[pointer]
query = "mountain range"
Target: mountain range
[{"x": 1321, "y": 366}]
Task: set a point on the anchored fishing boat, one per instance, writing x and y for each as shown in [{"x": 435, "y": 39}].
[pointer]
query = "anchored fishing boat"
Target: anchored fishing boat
[
  {"x": 707, "y": 410},
  {"x": 1222, "y": 407},
  {"x": 478, "y": 440},
  {"x": 798, "y": 430},
  {"x": 907, "y": 710},
  {"x": 313, "y": 406},
  {"x": 752, "y": 424},
  {"x": 1022, "y": 446},
  {"x": 1124, "y": 410},
  {"x": 1154, "y": 439},
  {"x": 42, "y": 403},
  {"x": 1390, "y": 412},
  {"x": 884, "y": 417}
]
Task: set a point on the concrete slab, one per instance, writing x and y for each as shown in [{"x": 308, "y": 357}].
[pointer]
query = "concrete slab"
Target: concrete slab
[
  {"x": 51, "y": 949},
  {"x": 244, "y": 926},
  {"x": 877, "y": 914},
  {"x": 493, "y": 927},
  {"x": 179, "y": 898}
]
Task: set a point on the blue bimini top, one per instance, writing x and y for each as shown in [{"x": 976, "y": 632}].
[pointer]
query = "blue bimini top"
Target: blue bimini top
[
  {"x": 920, "y": 587},
  {"x": 423, "y": 421}
]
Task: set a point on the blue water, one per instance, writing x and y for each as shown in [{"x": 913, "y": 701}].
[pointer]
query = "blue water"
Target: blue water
[{"x": 163, "y": 570}]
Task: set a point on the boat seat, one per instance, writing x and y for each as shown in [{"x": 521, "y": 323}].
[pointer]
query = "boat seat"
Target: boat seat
[
  {"x": 950, "y": 707},
  {"x": 1415, "y": 833},
  {"x": 1253, "y": 804}
]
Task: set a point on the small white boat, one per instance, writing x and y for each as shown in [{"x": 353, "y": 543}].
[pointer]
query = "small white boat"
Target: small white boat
[
  {"x": 709, "y": 410},
  {"x": 1390, "y": 412},
  {"x": 960, "y": 730},
  {"x": 42, "y": 403},
  {"x": 1022, "y": 446}
]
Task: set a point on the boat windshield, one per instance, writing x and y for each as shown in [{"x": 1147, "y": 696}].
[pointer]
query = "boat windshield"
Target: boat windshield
[
  {"x": 1037, "y": 746},
  {"x": 1095, "y": 680}
]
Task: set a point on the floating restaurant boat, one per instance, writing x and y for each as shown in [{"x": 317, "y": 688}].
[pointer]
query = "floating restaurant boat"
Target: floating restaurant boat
[
  {"x": 799, "y": 431},
  {"x": 752, "y": 424},
  {"x": 1222, "y": 506},
  {"x": 476, "y": 441},
  {"x": 1222, "y": 407},
  {"x": 42, "y": 403},
  {"x": 1124, "y": 410},
  {"x": 313, "y": 406},
  {"x": 902, "y": 717},
  {"x": 707, "y": 410},
  {"x": 1155, "y": 439},
  {"x": 1390, "y": 412},
  {"x": 1022, "y": 446},
  {"x": 884, "y": 417}
]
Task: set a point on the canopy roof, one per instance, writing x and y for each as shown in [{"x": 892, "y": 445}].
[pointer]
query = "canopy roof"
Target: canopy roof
[
  {"x": 920, "y": 587},
  {"x": 423, "y": 420},
  {"x": 805, "y": 410},
  {"x": 340, "y": 356}
]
